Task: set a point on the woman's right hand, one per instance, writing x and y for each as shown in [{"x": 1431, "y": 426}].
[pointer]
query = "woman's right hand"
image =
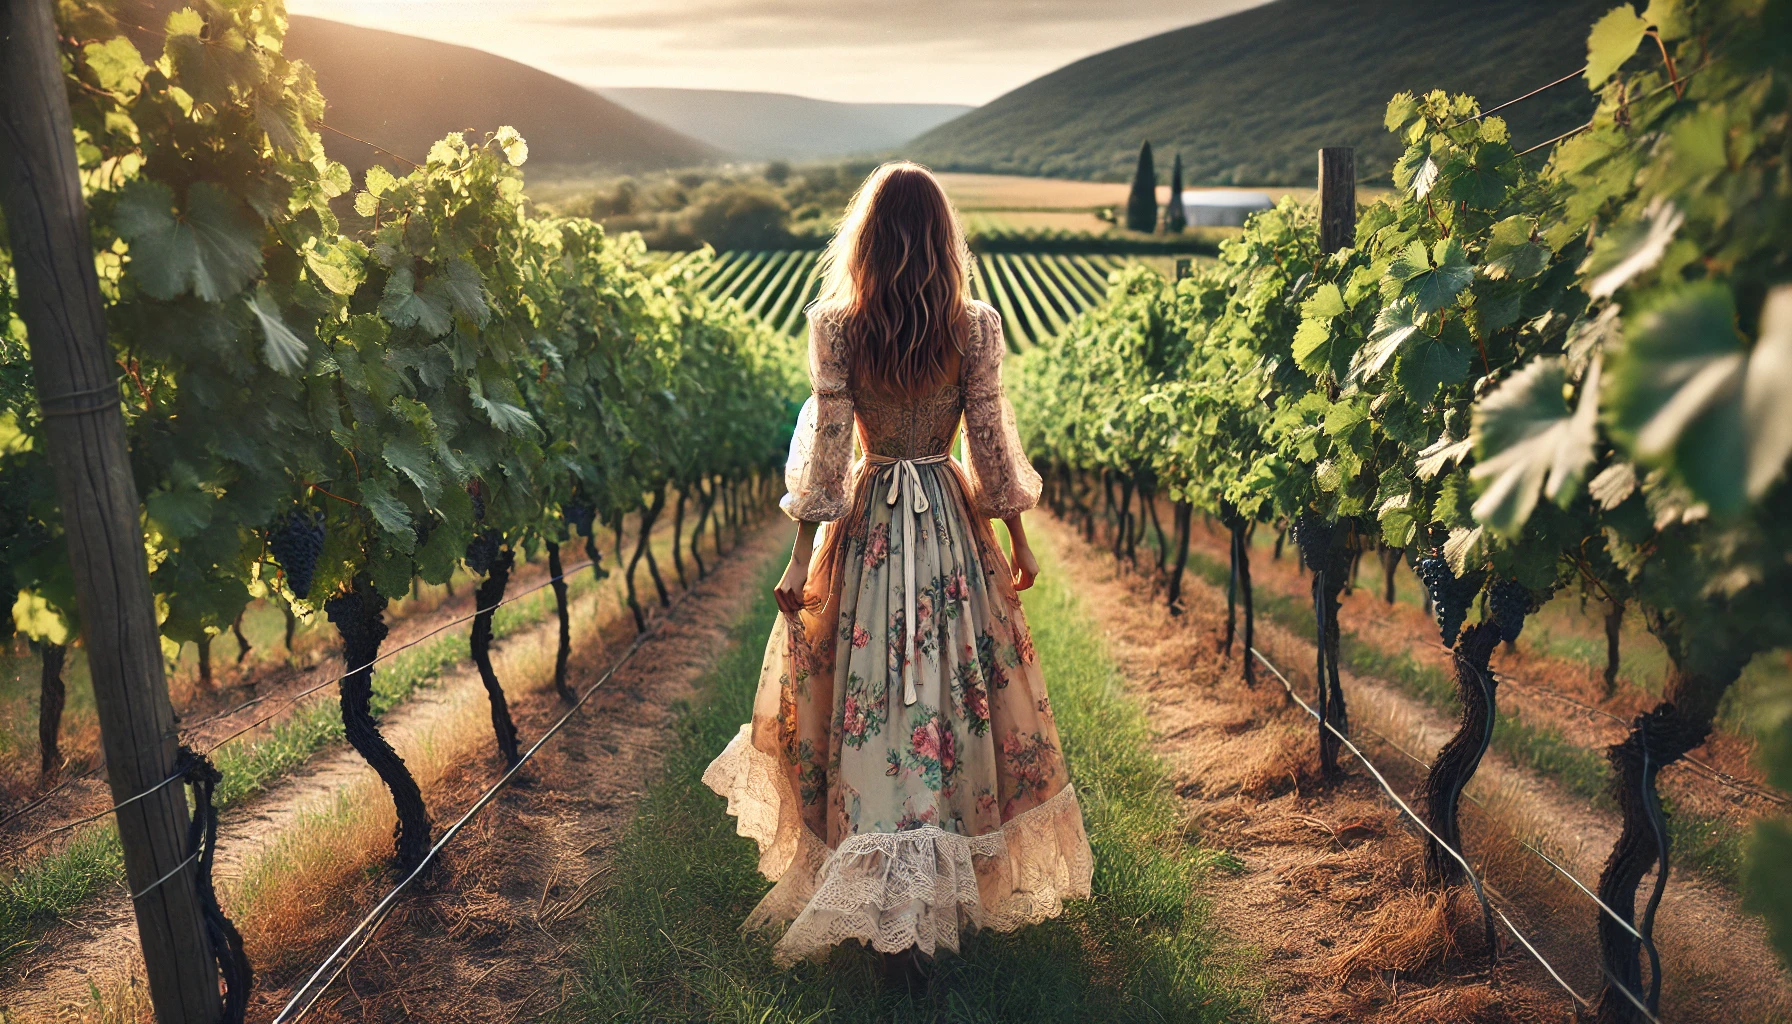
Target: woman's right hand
[{"x": 789, "y": 591}]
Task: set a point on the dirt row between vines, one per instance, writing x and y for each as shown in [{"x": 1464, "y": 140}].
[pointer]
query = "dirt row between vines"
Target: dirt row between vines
[
  {"x": 272, "y": 679},
  {"x": 1329, "y": 880},
  {"x": 299, "y": 862},
  {"x": 1529, "y": 676}
]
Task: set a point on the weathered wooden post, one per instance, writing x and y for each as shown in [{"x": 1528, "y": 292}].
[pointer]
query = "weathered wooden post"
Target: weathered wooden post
[
  {"x": 1337, "y": 198},
  {"x": 72, "y": 363}
]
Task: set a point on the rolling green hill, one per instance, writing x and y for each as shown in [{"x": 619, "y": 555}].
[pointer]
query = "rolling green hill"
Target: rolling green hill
[
  {"x": 403, "y": 93},
  {"x": 1248, "y": 98}
]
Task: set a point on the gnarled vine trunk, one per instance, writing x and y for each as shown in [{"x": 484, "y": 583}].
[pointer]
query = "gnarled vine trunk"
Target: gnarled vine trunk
[
  {"x": 53, "y": 695},
  {"x": 678, "y": 538},
  {"x": 485, "y": 602},
  {"x": 1327, "y": 550},
  {"x": 562, "y": 648},
  {"x": 1182, "y": 519},
  {"x": 1390, "y": 563},
  {"x": 1614, "y": 627},
  {"x": 1658, "y": 738},
  {"x": 1455, "y": 764},
  {"x": 359, "y": 616}
]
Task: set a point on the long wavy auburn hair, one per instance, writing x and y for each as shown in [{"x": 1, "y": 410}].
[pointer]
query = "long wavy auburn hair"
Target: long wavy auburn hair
[{"x": 895, "y": 275}]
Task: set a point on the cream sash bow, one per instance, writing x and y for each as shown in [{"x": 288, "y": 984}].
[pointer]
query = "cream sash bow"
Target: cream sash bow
[{"x": 907, "y": 478}]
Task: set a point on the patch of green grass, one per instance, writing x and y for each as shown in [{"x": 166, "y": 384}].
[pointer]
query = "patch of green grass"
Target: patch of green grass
[
  {"x": 663, "y": 942},
  {"x": 57, "y": 885}
]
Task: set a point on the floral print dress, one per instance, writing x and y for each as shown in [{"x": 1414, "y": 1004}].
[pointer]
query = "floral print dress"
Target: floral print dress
[{"x": 902, "y": 773}]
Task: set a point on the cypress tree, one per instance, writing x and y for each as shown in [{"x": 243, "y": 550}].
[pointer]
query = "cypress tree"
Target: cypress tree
[
  {"x": 1175, "y": 217},
  {"x": 1141, "y": 205}
]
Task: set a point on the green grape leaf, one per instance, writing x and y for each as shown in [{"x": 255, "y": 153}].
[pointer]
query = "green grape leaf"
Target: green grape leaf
[
  {"x": 338, "y": 262},
  {"x": 1497, "y": 305},
  {"x": 1313, "y": 347},
  {"x": 1631, "y": 248},
  {"x": 335, "y": 180},
  {"x": 1528, "y": 441},
  {"x": 1612, "y": 42},
  {"x": 1675, "y": 388},
  {"x": 1669, "y": 18},
  {"x": 412, "y": 459},
  {"x": 1511, "y": 254},
  {"x": 1438, "y": 286},
  {"x": 379, "y": 180},
  {"x": 466, "y": 291},
  {"x": 1410, "y": 263},
  {"x": 1396, "y": 324},
  {"x": 208, "y": 68},
  {"x": 1401, "y": 110},
  {"x": 1441, "y": 454},
  {"x": 1327, "y": 301},
  {"x": 40, "y": 620},
  {"x": 392, "y": 515},
  {"x": 511, "y": 142},
  {"x": 1765, "y": 404},
  {"x": 1481, "y": 180},
  {"x": 502, "y": 404},
  {"x": 1429, "y": 363},
  {"x": 1614, "y": 483},
  {"x": 1464, "y": 550},
  {"x": 404, "y": 306},
  {"x": 1399, "y": 522},
  {"x": 1424, "y": 178},
  {"x": 285, "y": 126},
  {"x": 214, "y": 250},
  {"x": 366, "y": 204},
  {"x": 181, "y": 510},
  {"x": 117, "y": 66},
  {"x": 285, "y": 351}
]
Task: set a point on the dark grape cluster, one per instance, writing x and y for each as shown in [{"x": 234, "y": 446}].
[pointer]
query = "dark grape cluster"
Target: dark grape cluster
[
  {"x": 1450, "y": 596},
  {"x": 295, "y": 540},
  {"x": 482, "y": 551},
  {"x": 478, "y": 494},
  {"x": 1508, "y": 602},
  {"x": 357, "y": 616},
  {"x": 1313, "y": 536},
  {"x": 579, "y": 516}
]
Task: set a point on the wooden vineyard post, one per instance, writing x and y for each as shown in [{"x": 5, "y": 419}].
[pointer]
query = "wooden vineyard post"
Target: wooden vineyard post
[
  {"x": 1337, "y": 198},
  {"x": 71, "y": 360}
]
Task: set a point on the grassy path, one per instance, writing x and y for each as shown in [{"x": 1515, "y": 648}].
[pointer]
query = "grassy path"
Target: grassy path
[{"x": 663, "y": 944}]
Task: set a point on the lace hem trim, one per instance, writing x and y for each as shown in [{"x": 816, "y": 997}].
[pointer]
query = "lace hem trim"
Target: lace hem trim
[{"x": 893, "y": 890}]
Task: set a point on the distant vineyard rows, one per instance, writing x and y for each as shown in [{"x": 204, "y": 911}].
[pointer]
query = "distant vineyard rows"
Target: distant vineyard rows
[{"x": 1037, "y": 294}]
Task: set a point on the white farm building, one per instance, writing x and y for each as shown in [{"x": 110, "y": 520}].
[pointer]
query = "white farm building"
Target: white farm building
[{"x": 1222, "y": 207}]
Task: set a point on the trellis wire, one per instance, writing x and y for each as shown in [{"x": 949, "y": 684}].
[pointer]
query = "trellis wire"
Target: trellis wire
[
  {"x": 286, "y": 703},
  {"x": 1487, "y": 908},
  {"x": 334, "y": 964}
]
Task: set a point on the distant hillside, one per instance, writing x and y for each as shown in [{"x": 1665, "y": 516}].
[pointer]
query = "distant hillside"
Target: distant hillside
[
  {"x": 403, "y": 93},
  {"x": 771, "y": 125},
  {"x": 1248, "y": 98}
]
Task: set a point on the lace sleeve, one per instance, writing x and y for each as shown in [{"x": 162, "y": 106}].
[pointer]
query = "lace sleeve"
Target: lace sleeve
[
  {"x": 1003, "y": 482},
  {"x": 821, "y": 450}
]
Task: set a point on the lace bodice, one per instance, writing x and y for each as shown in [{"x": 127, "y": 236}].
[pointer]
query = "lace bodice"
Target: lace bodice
[{"x": 1003, "y": 483}]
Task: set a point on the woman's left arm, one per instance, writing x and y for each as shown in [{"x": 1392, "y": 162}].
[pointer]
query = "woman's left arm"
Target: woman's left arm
[{"x": 1024, "y": 565}]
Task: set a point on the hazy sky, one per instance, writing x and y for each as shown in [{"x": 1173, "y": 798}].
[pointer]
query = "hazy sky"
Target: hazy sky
[{"x": 935, "y": 51}]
